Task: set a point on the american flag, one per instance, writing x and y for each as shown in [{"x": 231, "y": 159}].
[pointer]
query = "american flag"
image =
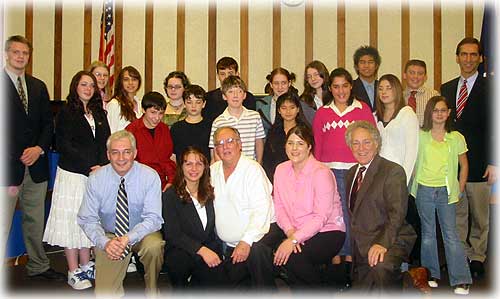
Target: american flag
[{"x": 107, "y": 39}]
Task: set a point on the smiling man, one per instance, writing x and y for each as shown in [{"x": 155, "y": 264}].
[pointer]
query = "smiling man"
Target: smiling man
[
  {"x": 380, "y": 237},
  {"x": 121, "y": 213},
  {"x": 243, "y": 212},
  {"x": 366, "y": 63},
  {"x": 469, "y": 98}
]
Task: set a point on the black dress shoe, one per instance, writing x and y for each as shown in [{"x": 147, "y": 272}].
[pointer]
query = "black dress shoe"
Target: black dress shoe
[
  {"x": 476, "y": 269},
  {"x": 50, "y": 274}
]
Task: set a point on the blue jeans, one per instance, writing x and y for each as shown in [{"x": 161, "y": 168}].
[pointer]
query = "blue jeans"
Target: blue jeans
[
  {"x": 429, "y": 200},
  {"x": 341, "y": 189}
]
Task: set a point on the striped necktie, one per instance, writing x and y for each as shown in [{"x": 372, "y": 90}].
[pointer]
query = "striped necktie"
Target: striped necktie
[
  {"x": 22, "y": 95},
  {"x": 412, "y": 100},
  {"x": 121, "y": 224},
  {"x": 462, "y": 99},
  {"x": 356, "y": 186}
]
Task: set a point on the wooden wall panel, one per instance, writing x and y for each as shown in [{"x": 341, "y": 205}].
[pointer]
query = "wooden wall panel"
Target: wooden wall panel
[
  {"x": 87, "y": 34},
  {"x": 244, "y": 40},
  {"x": 28, "y": 27},
  {"x": 57, "y": 50},
  {"x": 438, "y": 44},
  {"x": 148, "y": 47},
  {"x": 276, "y": 33},
  {"x": 309, "y": 31}
]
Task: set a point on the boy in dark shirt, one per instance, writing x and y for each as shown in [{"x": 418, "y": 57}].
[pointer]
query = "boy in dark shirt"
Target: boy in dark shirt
[{"x": 194, "y": 130}]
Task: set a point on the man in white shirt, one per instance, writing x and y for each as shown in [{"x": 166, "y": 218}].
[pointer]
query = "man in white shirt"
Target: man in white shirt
[{"x": 243, "y": 212}]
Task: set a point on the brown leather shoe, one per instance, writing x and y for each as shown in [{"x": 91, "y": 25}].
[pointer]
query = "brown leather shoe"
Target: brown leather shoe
[{"x": 420, "y": 277}]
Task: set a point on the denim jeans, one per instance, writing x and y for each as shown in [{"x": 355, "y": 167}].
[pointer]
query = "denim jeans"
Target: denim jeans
[
  {"x": 340, "y": 175},
  {"x": 429, "y": 200}
]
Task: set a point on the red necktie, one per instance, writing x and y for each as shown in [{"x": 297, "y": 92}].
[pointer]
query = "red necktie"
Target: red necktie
[
  {"x": 412, "y": 100},
  {"x": 462, "y": 99},
  {"x": 356, "y": 186}
]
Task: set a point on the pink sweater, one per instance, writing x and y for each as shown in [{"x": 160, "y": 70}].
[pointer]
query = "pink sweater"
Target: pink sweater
[
  {"x": 329, "y": 128},
  {"x": 307, "y": 202}
]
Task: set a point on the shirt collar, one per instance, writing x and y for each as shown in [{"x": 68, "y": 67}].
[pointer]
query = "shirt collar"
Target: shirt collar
[
  {"x": 355, "y": 104},
  {"x": 227, "y": 115},
  {"x": 13, "y": 76},
  {"x": 470, "y": 80},
  {"x": 366, "y": 83}
]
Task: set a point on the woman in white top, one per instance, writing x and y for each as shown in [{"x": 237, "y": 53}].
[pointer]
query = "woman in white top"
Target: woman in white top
[
  {"x": 397, "y": 123},
  {"x": 125, "y": 106}
]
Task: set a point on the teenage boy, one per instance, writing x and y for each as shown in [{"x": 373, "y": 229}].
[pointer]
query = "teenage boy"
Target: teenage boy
[
  {"x": 215, "y": 104},
  {"x": 154, "y": 143},
  {"x": 194, "y": 130},
  {"x": 366, "y": 63},
  {"x": 417, "y": 95},
  {"x": 247, "y": 122}
]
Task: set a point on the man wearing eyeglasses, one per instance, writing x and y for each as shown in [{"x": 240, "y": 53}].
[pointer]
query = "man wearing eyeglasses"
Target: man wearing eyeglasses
[{"x": 243, "y": 212}]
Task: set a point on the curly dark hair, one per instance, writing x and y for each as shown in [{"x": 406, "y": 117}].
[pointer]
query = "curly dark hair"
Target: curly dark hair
[
  {"x": 205, "y": 189},
  {"x": 74, "y": 102}
]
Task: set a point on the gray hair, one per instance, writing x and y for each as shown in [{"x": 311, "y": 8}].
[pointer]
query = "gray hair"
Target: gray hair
[
  {"x": 363, "y": 124},
  {"x": 235, "y": 131},
  {"x": 119, "y": 135}
]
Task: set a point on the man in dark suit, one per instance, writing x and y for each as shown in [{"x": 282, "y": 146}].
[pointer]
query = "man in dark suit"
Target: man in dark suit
[
  {"x": 468, "y": 97},
  {"x": 366, "y": 63},
  {"x": 215, "y": 104},
  {"x": 378, "y": 199},
  {"x": 29, "y": 134}
]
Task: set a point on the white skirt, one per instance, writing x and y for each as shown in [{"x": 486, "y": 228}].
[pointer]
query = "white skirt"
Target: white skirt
[{"x": 62, "y": 229}]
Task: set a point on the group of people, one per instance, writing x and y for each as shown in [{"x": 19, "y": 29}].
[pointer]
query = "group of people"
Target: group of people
[{"x": 228, "y": 190}]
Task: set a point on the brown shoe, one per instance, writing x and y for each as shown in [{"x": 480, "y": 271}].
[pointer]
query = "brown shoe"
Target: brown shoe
[{"x": 420, "y": 276}]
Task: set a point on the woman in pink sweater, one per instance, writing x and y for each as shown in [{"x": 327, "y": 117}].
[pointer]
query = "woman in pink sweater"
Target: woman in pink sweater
[
  {"x": 308, "y": 211},
  {"x": 329, "y": 126}
]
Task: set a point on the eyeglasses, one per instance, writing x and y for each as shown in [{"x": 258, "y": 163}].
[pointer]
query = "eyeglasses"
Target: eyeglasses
[
  {"x": 228, "y": 142},
  {"x": 440, "y": 110},
  {"x": 315, "y": 75},
  {"x": 172, "y": 87}
]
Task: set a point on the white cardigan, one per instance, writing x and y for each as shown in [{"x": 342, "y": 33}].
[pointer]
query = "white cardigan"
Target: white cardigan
[{"x": 400, "y": 140}]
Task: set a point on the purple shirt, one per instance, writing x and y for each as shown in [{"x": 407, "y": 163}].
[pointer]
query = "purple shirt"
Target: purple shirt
[{"x": 307, "y": 202}]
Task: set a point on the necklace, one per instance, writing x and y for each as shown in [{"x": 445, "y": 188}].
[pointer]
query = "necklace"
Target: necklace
[{"x": 176, "y": 108}]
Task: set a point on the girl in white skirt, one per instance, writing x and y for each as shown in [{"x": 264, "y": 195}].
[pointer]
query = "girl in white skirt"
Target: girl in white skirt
[{"x": 81, "y": 133}]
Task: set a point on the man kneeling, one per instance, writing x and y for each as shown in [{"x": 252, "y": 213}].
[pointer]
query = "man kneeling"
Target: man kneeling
[{"x": 121, "y": 213}]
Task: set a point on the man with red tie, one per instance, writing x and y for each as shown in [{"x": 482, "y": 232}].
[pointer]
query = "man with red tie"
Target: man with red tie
[
  {"x": 381, "y": 239},
  {"x": 468, "y": 97}
]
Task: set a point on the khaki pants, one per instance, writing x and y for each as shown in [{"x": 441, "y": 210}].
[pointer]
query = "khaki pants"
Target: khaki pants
[
  {"x": 110, "y": 273},
  {"x": 474, "y": 207},
  {"x": 32, "y": 201}
]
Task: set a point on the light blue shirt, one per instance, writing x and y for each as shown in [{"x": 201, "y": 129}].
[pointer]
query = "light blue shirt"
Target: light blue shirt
[
  {"x": 98, "y": 210},
  {"x": 370, "y": 90}
]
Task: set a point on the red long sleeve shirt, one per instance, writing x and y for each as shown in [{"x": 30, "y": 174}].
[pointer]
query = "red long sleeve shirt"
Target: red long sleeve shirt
[{"x": 154, "y": 151}]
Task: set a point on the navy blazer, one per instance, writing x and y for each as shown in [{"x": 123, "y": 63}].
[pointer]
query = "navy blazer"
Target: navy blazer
[
  {"x": 182, "y": 227},
  {"x": 474, "y": 124},
  {"x": 79, "y": 149},
  {"x": 27, "y": 130},
  {"x": 359, "y": 91}
]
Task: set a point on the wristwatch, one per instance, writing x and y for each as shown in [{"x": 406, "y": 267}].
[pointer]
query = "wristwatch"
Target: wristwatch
[{"x": 295, "y": 241}]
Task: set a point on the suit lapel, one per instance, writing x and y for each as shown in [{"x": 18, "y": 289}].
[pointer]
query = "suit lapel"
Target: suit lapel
[
  {"x": 367, "y": 181},
  {"x": 13, "y": 93},
  {"x": 349, "y": 179},
  {"x": 193, "y": 217}
]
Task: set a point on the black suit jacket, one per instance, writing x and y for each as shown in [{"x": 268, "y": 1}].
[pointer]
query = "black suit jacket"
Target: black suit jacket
[
  {"x": 359, "y": 91},
  {"x": 27, "y": 130},
  {"x": 380, "y": 210},
  {"x": 474, "y": 124},
  {"x": 215, "y": 104},
  {"x": 182, "y": 227},
  {"x": 79, "y": 149}
]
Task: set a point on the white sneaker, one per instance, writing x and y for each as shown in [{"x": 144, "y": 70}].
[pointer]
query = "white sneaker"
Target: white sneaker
[
  {"x": 461, "y": 289},
  {"x": 432, "y": 283},
  {"x": 78, "y": 280},
  {"x": 89, "y": 270}
]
